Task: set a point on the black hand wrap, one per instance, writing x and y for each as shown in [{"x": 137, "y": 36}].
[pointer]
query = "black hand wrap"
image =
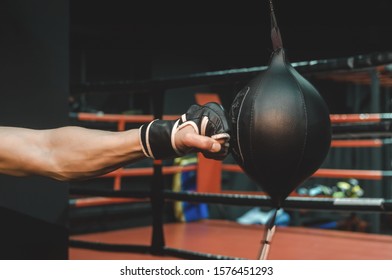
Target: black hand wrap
[{"x": 158, "y": 137}]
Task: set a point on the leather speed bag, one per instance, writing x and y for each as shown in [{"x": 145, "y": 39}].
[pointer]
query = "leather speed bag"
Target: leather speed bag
[{"x": 281, "y": 129}]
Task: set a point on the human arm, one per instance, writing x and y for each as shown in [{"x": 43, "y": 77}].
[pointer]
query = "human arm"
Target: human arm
[{"x": 73, "y": 153}]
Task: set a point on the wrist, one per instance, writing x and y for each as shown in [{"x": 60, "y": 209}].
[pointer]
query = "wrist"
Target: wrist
[{"x": 157, "y": 139}]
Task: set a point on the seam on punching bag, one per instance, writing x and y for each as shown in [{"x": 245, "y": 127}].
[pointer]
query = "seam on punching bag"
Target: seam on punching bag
[
  {"x": 237, "y": 128},
  {"x": 306, "y": 115}
]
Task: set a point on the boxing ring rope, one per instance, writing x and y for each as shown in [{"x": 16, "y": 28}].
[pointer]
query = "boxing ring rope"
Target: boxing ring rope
[
  {"x": 157, "y": 195},
  {"x": 121, "y": 120},
  {"x": 315, "y": 203},
  {"x": 360, "y": 143},
  {"x": 360, "y": 76},
  {"x": 173, "y": 252},
  {"x": 355, "y": 118},
  {"x": 118, "y": 118},
  {"x": 377, "y": 61},
  {"x": 321, "y": 173}
]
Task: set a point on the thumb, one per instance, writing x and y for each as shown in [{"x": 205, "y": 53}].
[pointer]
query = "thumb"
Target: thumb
[{"x": 200, "y": 142}]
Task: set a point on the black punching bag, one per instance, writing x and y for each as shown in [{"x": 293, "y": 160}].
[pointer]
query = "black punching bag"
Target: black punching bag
[{"x": 281, "y": 126}]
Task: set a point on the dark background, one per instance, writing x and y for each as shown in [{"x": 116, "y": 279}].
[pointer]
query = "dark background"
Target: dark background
[
  {"x": 139, "y": 40},
  {"x": 232, "y": 34},
  {"x": 34, "y": 89},
  {"x": 48, "y": 46}
]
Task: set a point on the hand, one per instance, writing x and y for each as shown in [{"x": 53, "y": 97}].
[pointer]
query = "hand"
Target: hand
[
  {"x": 202, "y": 128},
  {"x": 187, "y": 140}
]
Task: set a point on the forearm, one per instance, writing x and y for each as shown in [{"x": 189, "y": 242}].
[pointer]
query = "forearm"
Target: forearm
[
  {"x": 72, "y": 153},
  {"x": 67, "y": 153}
]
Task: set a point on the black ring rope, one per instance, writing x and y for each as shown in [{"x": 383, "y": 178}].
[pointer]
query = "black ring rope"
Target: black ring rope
[
  {"x": 236, "y": 75},
  {"x": 314, "y": 203},
  {"x": 143, "y": 249}
]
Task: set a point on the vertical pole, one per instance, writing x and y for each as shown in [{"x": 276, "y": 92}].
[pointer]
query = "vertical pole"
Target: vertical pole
[
  {"x": 209, "y": 171},
  {"x": 157, "y": 200}
]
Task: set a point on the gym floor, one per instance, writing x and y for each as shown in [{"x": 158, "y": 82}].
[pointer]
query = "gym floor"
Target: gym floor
[{"x": 234, "y": 240}]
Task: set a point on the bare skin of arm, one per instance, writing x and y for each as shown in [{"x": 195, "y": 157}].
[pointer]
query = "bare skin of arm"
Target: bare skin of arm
[{"x": 74, "y": 153}]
